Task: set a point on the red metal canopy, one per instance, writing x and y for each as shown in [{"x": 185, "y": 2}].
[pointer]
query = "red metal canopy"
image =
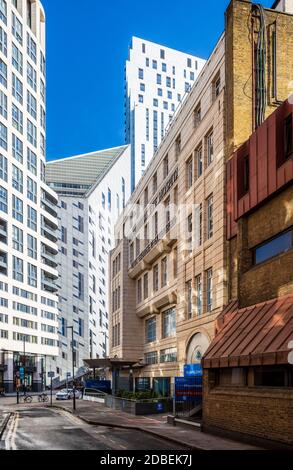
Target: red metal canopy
[{"x": 256, "y": 335}]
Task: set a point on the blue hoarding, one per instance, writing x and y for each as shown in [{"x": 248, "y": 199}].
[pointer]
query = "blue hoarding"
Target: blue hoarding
[{"x": 188, "y": 388}]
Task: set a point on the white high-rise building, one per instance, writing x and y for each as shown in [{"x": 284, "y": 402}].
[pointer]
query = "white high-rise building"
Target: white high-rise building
[
  {"x": 157, "y": 80},
  {"x": 93, "y": 190},
  {"x": 28, "y": 215}
]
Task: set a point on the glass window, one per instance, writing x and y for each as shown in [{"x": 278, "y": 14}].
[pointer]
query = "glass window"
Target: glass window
[
  {"x": 3, "y": 40},
  {"x": 151, "y": 358},
  {"x": 145, "y": 286},
  {"x": 198, "y": 287},
  {"x": 3, "y": 104},
  {"x": 278, "y": 245},
  {"x": 32, "y": 276},
  {"x": 3, "y": 136},
  {"x": 17, "y": 179},
  {"x": 3, "y": 199},
  {"x": 156, "y": 278},
  {"x": 31, "y": 105},
  {"x": 17, "y": 269},
  {"x": 210, "y": 148},
  {"x": 169, "y": 323},
  {"x": 32, "y": 247},
  {"x": 16, "y": 28},
  {"x": 162, "y": 386},
  {"x": 17, "y": 89},
  {"x": 3, "y": 11},
  {"x": 17, "y": 118},
  {"x": 3, "y": 73},
  {"x": 17, "y": 59},
  {"x": 210, "y": 216},
  {"x": 17, "y": 148},
  {"x": 32, "y": 218},
  {"x": 150, "y": 330},
  {"x": 32, "y": 133},
  {"x": 32, "y": 190},
  {"x": 189, "y": 299},
  {"x": 140, "y": 74},
  {"x": 32, "y": 162},
  {"x": 164, "y": 274},
  {"x": 17, "y": 209},
  {"x": 189, "y": 172},
  {"x": 3, "y": 168},
  {"x": 209, "y": 276},
  {"x": 168, "y": 355},
  {"x": 32, "y": 77},
  {"x": 31, "y": 48}
]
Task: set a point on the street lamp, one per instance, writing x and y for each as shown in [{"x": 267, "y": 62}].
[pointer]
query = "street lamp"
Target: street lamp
[{"x": 73, "y": 386}]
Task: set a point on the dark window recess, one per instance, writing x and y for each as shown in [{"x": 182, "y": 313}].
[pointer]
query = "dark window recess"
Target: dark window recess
[
  {"x": 243, "y": 175},
  {"x": 288, "y": 135},
  {"x": 273, "y": 376},
  {"x": 276, "y": 246}
]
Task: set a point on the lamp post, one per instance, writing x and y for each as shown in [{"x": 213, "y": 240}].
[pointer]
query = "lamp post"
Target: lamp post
[
  {"x": 24, "y": 364},
  {"x": 73, "y": 386}
]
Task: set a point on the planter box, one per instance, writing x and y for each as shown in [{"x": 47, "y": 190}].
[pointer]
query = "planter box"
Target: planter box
[{"x": 140, "y": 407}]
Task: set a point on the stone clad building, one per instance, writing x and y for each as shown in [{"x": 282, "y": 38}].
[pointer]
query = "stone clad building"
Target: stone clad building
[{"x": 169, "y": 264}]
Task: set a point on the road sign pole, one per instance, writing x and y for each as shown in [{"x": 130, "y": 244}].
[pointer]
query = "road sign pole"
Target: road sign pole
[{"x": 51, "y": 392}]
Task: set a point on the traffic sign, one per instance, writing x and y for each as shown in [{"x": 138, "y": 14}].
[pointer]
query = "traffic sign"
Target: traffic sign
[{"x": 51, "y": 374}]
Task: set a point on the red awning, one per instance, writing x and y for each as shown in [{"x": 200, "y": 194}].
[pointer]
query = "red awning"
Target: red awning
[{"x": 256, "y": 335}]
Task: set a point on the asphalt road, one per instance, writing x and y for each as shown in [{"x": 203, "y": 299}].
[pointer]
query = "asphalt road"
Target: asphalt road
[{"x": 45, "y": 429}]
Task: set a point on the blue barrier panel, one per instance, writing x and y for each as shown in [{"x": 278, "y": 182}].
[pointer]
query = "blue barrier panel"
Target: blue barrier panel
[
  {"x": 188, "y": 389},
  {"x": 192, "y": 370}
]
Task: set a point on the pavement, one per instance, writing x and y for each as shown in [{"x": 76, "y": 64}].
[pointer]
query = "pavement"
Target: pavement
[
  {"x": 98, "y": 415},
  {"x": 35, "y": 427}
]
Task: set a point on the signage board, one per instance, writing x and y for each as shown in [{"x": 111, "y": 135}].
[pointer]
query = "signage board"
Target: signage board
[
  {"x": 188, "y": 389},
  {"x": 51, "y": 374},
  {"x": 192, "y": 370},
  {"x": 21, "y": 373}
]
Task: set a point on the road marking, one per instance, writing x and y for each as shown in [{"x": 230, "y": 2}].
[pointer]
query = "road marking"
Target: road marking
[{"x": 11, "y": 432}]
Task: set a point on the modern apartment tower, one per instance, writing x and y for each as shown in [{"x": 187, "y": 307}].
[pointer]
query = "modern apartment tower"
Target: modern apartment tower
[
  {"x": 28, "y": 215},
  {"x": 157, "y": 80},
  {"x": 92, "y": 189}
]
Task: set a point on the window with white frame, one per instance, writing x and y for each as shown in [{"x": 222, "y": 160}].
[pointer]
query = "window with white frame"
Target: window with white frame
[
  {"x": 3, "y": 73},
  {"x": 31, "y": 105},
  {"x": 32, "y": 162},
  {"x": 32, "y": 190},
  {"x": 17, "y": 148},
  {"x": 32, "y": 218},
  {"x": 3, "y": 104},
  {"x": 17, "y": 28},
  {"x": 17, "y": 118},
  {"x": 17, "y": 208},
  {"x": 3, "y": 168},
  {"x": 17, "y": 269},
  {"x": 17, "y": 59},
  {"x": 17, "y": 238},
  {"x": 31, "y": 77},
  {"x": 32, "y": 275},
  {"x": 3, "y": 200},
  {"x": 32, "y": 249},
  {"x": 3, "y": 11},
  {"x": 3, "y": 136},
  {"x": 3, "y": 41},
  {"x": 31, "y": 48},
  {"x": 32, "y": 133},
  {"x": 17, "y": 178}
]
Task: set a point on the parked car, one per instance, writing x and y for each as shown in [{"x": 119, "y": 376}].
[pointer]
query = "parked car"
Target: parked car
[{"x": 67, "y": 394}]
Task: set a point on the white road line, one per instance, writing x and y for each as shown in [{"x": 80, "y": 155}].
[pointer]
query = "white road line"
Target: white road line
[{"x": 10, "y": 434}]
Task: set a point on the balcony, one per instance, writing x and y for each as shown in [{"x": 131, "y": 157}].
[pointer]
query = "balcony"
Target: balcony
[
  {"x": 48, "y": 284},
  {"x": 49, "y": 258},
  {"x": 49, "y": 231},
  {"x": 160, "y": 245},
  {"x": 3, "y": 231},
  {"x": 3, "y": 263},
  {"x": 49, "y": 205},
  {"x": 163, "y": 298}
]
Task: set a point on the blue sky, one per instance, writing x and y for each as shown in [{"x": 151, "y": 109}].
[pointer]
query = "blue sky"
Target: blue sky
[{"x": 87, "y": 45}]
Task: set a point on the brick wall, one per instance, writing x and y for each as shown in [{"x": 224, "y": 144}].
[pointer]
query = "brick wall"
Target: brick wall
[
  {"x": 257, "y": 412},
  {"x": 273, "y": 278}
]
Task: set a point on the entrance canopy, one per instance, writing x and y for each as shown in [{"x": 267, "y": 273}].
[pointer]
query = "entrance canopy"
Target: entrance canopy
[
  {"x": 253, "y": 336},
  {"x": 109, "y": 362}
]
